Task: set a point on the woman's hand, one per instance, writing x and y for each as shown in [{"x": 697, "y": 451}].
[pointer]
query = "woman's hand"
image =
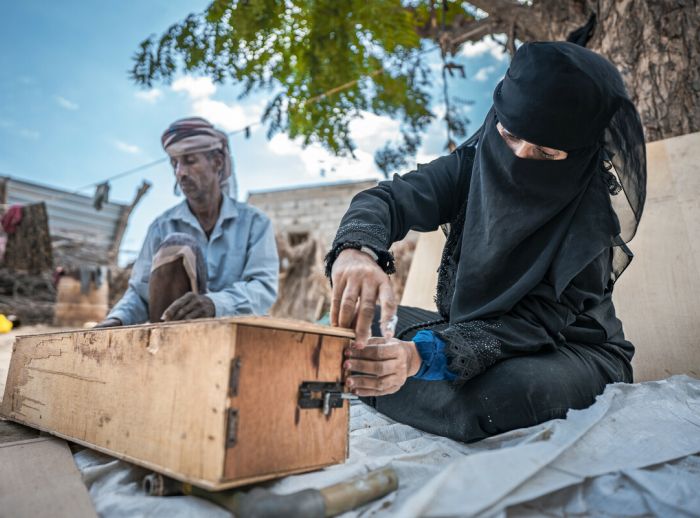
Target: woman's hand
[
  {"x": 358, "y": 284},
  {"x": 381, "y": 367}
]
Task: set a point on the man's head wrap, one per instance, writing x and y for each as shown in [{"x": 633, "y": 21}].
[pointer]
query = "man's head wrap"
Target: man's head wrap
[{"x": 198, "y": 135}]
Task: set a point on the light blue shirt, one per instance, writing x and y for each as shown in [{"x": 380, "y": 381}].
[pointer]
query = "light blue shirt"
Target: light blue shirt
[{"x": 241, "y": 256}]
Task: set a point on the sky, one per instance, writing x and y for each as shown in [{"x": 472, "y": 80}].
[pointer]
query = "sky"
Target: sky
[{"x": 70, "y": 116}]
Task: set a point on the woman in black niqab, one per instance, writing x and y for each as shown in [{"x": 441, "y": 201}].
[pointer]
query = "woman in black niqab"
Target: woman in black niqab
[
  {"x": 526, "y": 326},
  {"x": 530, "y": 220}
]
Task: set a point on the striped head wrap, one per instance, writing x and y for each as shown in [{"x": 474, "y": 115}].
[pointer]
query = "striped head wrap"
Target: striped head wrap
[{"x": 197, "y": 135}]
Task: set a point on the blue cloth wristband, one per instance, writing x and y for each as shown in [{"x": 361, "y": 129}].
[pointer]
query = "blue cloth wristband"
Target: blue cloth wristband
[{"x": 432, "y": 352}]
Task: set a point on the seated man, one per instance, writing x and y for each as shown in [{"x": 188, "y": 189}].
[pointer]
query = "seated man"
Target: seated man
[{"x": 207, "y": 256}]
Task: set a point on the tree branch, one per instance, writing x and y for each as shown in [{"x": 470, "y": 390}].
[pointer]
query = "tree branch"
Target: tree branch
[
  {"x": 541, "y": 21},
  {"x": 474, "y": 32}
]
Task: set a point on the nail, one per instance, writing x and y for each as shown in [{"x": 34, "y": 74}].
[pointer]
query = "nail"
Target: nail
[
  {"x": 350, "y": 383},
  {"x": 347, "y": 352},
  {"x": 347, "y": 365}
]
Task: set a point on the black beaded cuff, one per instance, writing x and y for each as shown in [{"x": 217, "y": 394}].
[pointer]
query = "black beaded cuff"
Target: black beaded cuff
[
  {"x": 385, "y": 258},
  {"x": 471, "y": 348}
]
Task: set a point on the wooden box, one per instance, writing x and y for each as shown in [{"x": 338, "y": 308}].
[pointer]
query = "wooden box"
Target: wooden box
[
  {"x": 74, "y": 308},
  {"x": 218, "y": 403}
]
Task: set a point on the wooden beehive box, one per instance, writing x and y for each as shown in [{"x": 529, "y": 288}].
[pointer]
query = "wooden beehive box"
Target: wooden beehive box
[
  {"x": 74, "y": 308},
  {"x": 218, "y": 403}
]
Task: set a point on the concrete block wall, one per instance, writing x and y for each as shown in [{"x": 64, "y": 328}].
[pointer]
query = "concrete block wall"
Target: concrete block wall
[{"x": 313, "y": 210}]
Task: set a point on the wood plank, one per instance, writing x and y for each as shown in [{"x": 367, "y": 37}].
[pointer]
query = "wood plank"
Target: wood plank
[
  {"x": 154, "y": 395},
  {"x": 6, "y": 342},
  {"x": 14, "y": 433},
  {"x": 658, "y": 296},
  {"x": 273, "y": 433},
  {"x": 266, "y": 322},
  {"x": 74, "y": 308},
  {"x": 421, "y": 282},
  {"x": 39, "y": 479}
]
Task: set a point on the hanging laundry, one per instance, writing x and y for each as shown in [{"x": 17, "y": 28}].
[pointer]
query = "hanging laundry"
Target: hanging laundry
[
  {"x": 91, "y": 275},
  {"x": 11, "y": 219},
  {"x": 101, "y": 195}
]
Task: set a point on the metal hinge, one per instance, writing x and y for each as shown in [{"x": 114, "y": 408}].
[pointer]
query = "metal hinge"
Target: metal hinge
[
  {"x": 325, "y": 395},
  {"x": 232, "y": 427},
  {"x": 234, "y": 374}
]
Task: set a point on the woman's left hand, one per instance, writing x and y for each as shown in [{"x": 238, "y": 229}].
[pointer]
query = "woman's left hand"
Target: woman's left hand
[{"x": 381, "y": 367}]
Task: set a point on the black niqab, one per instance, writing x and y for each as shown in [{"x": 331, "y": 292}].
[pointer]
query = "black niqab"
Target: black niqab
[{"x": 532, "y": 221}]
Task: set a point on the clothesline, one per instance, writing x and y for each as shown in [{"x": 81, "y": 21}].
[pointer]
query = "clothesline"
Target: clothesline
[{"x": 245, "y": 130}]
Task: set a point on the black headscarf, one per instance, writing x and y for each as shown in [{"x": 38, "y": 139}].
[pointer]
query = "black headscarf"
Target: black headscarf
[{"x": 532, "y": 221}]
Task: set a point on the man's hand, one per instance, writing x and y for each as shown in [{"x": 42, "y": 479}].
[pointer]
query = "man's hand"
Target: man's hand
[
  {"x": 190, "y": 306},
  {"x": 358, "y": 283},
  {"x": 109, "y": 322},
  {"x": 381, "y": 367}
]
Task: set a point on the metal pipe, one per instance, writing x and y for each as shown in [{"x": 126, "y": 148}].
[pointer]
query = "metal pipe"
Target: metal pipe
[
  {"x": 359, "y": 490},
  {"x": 309, "y": 503},
  {"x": 156, "y": 484}
]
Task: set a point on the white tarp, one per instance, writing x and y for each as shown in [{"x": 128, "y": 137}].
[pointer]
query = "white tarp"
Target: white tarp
[{"x": 632, "y": 453}]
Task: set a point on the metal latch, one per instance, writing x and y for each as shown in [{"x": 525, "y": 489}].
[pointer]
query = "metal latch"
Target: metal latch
[
  {"x": 322, "y": 394},
  {"x": 234, "y": 375},
  {"x": 232, "y": 428}
]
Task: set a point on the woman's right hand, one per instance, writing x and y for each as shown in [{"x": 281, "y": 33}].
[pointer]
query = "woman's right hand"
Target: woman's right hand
[{"x": 358, "y": 285}]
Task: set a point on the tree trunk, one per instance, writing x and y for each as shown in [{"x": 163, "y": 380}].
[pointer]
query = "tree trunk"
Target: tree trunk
[
  {"x": 656, "y": 46},
  {"x": 654, "y": 43}
]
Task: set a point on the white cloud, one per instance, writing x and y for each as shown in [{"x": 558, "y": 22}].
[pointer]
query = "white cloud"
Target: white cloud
[
  {"x": 483, "y": 73},
  {"x": 423, "y": 158},
  {"x": 131, "y": 149},
  {"x": 228, "y": 117},
  {"x": 150, "y": 96},
  {"x": 65, "y": 103},
  {"x": 10, "y": 126},
  {"x": 483, "y": 46},
  {"x": 29, "y": 134},
  {"x": 315, "y": 159},
  {"x": 439, "y": 111},
  {"x": 370, "y": 132},
  {"x": 195, "y": 87}
]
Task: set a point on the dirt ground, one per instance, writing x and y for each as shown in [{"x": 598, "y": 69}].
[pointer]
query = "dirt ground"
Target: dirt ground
[{"x": 6, "y": 341}]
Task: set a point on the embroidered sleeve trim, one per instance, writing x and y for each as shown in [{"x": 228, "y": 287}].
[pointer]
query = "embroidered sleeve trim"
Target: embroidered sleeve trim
[
  {"x": 471, "y": 347},
  {"x": 377, "y": 233}
]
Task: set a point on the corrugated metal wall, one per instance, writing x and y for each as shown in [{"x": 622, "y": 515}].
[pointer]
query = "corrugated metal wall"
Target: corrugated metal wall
[{"x": 70, "y": 215}]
